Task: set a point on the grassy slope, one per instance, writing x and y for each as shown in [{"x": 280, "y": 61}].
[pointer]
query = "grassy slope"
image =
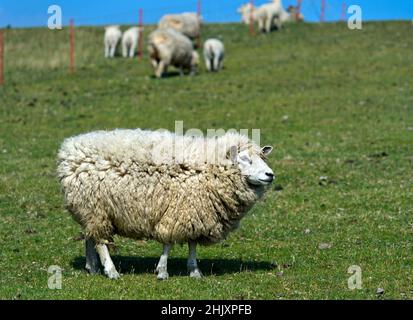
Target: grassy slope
[{"x": 347, "y": 95}]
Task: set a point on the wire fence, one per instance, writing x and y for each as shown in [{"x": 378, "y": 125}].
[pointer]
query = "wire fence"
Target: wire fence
[{"x": 206, "y": 9}]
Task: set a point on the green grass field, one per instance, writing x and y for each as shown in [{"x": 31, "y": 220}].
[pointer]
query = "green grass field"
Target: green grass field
[{"x": 334, "y": 103}]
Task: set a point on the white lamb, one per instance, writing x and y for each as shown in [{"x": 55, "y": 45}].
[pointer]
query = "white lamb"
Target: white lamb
[
  {"x": 213, "y": 54},
  {"x": 158, "y": 185},
  {"x": 168, "y": 47},
  {"x": 188, "y": 23},
  {"x": 111, "y": 40},
  {"x": 268, "y": 15},
  {"x": 130, "y": 41}
]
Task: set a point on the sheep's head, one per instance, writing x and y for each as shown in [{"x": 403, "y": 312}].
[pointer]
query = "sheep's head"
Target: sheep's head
[
  {"x": 245, "y": 11},
  {"x": 253, "y": 166}
]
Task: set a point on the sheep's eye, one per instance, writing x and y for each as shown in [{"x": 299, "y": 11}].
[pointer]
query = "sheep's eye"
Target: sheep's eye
[{"x": 246, "y": 159}]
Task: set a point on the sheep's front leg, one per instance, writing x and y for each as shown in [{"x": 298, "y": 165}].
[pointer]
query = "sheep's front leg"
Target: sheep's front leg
[
  {"x": 220, "y": 64},
  {"x": 261, "y": 25},
  {"x": 208, "y": 64},
  {"x": 160, "y": 69},
  {"x": 278, "y": 23},
  {"x": 216, "y": 62},
  {"x": 124, "y": 50},
  {"x": 162, "y": 268},
  {"x": 106, "y": 51},
  {"x": 268, "y": 24},
  {"x": 105, "y": 259},
  {"x": 132, "y": 50},
  {"x": 92, "y": 258},
  {"x": 112, "y": 51},
  {"x": 193, "y": 269}
]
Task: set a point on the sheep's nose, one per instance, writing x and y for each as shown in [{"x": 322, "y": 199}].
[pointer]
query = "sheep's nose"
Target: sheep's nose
[{"x": 270, "y": 174}]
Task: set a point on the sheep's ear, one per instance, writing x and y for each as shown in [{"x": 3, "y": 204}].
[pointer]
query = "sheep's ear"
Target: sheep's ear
[
  {"x": 233, "y": 154},
  {"x": 266, "y": 150}
]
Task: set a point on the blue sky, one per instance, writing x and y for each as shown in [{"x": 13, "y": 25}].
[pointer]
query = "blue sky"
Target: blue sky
[{"x": 29, "y": 13}]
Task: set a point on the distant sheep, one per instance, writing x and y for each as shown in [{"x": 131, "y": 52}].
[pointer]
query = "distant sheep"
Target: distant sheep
[
  {"x": 168, "y": 47},
  {"x": 130, "y": 41},
  {"x": 158, "y": 185},
  {"x": 111, "y": 40},
  {"x": 187, "y": 23},
  {"x": 213, "y": 54},
  {"x": 297, "y": 16},
  {"x": 291, "y": 15},
  {"x": 268, "y": 15}
]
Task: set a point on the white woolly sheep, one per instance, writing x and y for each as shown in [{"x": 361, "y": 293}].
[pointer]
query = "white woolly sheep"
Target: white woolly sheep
[
  {"x": 188, "y": 23},
  {"x": 168, "y": 47},
  {"x": 111, "y": 40},
  {"x": 267, "y": 15},
  {"x": 213, "y": 54},
  {"x": 130, "y": 39},
  {"x": 157, "y": 185}
]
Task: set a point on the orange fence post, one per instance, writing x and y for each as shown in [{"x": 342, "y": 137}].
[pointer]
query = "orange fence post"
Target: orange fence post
[
  {"x": 72, "y": 46},
  {"x": 1, "y": 57},
  {"x": 252, "y": 32},
  {"x": 297, "y": 15},
  {"x": 198, "y": 11},
  {"x": 140, "y": 44},
  {"x": 323, "y": 10},
  {"x": 343, "y": 11}
]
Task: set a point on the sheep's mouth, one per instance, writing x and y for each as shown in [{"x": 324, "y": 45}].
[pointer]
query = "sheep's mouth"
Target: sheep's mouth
[{"x": 259, "y": 182}]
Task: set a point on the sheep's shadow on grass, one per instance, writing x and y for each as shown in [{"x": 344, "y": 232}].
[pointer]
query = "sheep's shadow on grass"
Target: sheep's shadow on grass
[
  {"x": 177, "y": 266},
  {"x": 171, "y": 74}
]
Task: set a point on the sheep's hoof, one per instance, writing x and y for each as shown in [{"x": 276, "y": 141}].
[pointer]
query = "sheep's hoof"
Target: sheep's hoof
[
  {"x": 197, "y": 274},
  {"x": 112, "y": 274},
  {"x": 162, "y": 275}
]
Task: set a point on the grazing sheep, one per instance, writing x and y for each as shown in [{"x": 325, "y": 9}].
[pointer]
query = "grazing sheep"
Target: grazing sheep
[
  {"x": 268, "y": 15},
  {"x": 291, "y": 15},
  {"x": 111, "y": 40},
  {"x": 130, "y": 40},
  {"x": 169, "y": 47},
  {"x": 296, "y": 16},
  {"x": 188, "y": 23},
  {"x": 159, "y": 185},
  {"x": 213, "y": 54}
]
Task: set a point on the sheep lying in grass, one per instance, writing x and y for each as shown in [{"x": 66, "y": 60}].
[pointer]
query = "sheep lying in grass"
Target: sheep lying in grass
[
  {"x": 111, "y": 40},
  {"x": 130, "y": 40},
  {"x": 268, "y": 15},
  {"x": 213, "y": 54},
  {"x": 168, "y": 47},
  {"x": 187, "y": 23},
  {"x": 161, "y": 186}
]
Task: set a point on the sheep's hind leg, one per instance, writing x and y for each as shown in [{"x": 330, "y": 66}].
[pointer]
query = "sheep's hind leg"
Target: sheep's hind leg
[
  {"x": 162, "y": 268},
  {"x": 193, "y": 269},
  {"x": 105, "y": 259},
  {"x": 92, "y": 258}
]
